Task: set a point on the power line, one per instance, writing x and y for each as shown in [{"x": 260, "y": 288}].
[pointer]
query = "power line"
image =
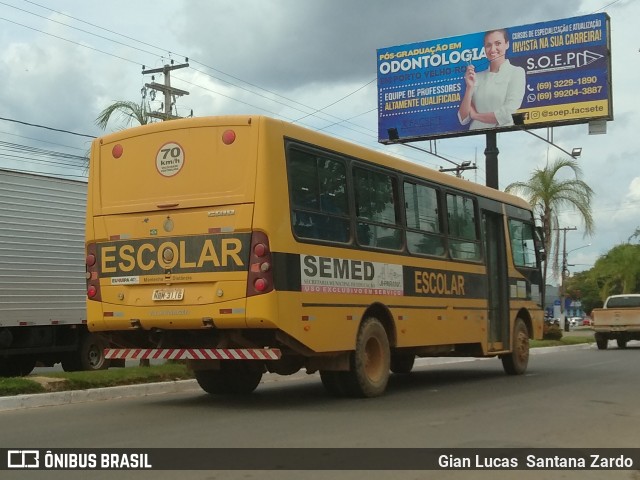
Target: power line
[
  {"x": 41, "y": 141},
  {"x": 17, "y": 147},
  {"x": 70, "y": 41},
  {"x": 131, "y": 61},
  {"x": 26, "y": 154},
  {"x": 337, "y": 101},
  {"x": 71, "y": 26},
  {"x": 96, "y": 26},
  {"x": 193, "y": 61},
  {"x": 47, "y": 128},
  {"x": 313, "y": 113},
  {"x": 49, "y": 174}
]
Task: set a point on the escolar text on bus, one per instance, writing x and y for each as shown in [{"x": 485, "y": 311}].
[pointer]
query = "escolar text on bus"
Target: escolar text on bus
[{"x": 180, "y": 255}]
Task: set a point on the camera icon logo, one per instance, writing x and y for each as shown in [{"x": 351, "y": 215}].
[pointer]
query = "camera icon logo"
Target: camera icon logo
[{"x": 23, "y": 459}]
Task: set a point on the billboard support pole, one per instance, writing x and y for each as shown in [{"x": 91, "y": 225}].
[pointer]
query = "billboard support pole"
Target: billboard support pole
[{"x": 491, "y": 160}]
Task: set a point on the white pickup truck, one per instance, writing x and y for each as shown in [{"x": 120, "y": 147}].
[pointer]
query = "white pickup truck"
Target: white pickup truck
[{"x": 618, "y": 319}]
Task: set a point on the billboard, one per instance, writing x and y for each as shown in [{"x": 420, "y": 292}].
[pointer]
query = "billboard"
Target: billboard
[{"x": 538, "y": 75}]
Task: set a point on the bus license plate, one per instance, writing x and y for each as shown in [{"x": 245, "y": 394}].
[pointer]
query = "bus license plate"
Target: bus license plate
[{"x": 168, "y": 294}]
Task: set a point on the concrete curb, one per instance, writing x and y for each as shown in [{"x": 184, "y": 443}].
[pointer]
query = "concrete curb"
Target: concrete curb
[{"x": 95, "y": 394}]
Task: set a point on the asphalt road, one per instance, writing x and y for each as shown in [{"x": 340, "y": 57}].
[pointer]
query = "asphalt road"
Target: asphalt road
[{"x": 571, "y": 397}]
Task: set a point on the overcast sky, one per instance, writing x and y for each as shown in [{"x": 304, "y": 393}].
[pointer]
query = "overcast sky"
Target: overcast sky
[{"x": 314, "y": 62}]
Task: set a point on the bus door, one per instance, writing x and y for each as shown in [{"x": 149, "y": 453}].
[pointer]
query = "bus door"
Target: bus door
[{"x": 497, "y": 280}]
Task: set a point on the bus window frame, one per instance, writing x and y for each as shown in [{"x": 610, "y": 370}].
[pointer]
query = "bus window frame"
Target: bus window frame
[
  {"x": 398, "y": 200},
  {"x": 442, "y": 235},
  {"x": 476, "y": 221},
  {"x": 536, "y": 251},
  {"x": 290, "y": 145},
  {"x": 400, "y": 178}
]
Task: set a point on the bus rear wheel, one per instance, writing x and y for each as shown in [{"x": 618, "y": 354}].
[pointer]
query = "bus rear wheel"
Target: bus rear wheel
[
  {"x": 402, "y": 362},
  {"x": 516, "y": 362},
  {"x": 333, "y": 382},
  {"x": 233, "y": 378},
  {"x": 370, "y": 362}
]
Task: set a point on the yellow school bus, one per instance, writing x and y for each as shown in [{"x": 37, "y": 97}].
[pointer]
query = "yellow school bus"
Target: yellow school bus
[{"x": 246, "y": 245}]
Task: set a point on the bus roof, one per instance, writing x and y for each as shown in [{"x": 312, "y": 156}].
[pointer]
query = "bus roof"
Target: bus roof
[{"x": 328, "y": 142}]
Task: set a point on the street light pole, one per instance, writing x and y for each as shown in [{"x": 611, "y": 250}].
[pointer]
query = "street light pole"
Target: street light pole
[
  {"x": 565, "y": 274},
  {"x": 563, "y": 317}
]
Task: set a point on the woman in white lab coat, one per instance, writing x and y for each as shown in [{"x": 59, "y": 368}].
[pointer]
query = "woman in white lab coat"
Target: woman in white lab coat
[{"x": 492, "y": 95}]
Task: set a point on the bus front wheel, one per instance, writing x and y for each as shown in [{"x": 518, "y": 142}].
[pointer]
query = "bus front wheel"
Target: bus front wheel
[
  {"x": 515, "y": 363},
  {"x": 370, "y": 362}
]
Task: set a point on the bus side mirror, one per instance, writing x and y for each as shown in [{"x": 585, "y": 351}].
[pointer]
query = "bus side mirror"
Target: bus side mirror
[
  {"x": 539, "y": 241},
  {"x": 542, "y": 254}
]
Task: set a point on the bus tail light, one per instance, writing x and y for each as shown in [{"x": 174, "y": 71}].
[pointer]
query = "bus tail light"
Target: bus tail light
[
  {"x": 228, "y": 137},
  {"x": 260, "y": 278},
  {"x": 93, "y": 280},
  {"x": 117, "y": 151}
]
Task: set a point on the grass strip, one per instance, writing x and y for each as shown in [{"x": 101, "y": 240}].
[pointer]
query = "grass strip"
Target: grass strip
[
  {"x": 19, "y": 386},
  {"x": 124, "y": 376}
]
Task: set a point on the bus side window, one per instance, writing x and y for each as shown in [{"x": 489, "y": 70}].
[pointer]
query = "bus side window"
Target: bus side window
[
  {"x": 463, "y": 232},
  {"x": 424, "y": 234},
  {"x": 319, "y": 207},
  {"x": 378, "y": 219}
]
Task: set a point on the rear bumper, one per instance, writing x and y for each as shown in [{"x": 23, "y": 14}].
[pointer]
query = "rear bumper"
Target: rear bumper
[{"x": 192, "y": 354}]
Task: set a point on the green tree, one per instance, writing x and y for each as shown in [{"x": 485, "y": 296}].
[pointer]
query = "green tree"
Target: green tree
[
  {"x": 125, "y": 110},
  {"x": 583, "y": 286},
  {"x": 549, "y": 191},
  {"x": 618, "y": 271},
  {"x": 615, "y": 272}
]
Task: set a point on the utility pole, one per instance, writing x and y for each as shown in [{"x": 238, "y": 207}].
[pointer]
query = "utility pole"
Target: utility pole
[
  {"x": 491, "y": 160},
  {"x": 466, "y": 165},
  {"x": 565, "y": 272},
  {"x": 167, "y": 89}
]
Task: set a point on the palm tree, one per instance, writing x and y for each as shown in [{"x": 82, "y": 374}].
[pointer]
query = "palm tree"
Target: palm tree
[
  {"x": 548, "y": 194},
  {"x": 126, "y": 110}
]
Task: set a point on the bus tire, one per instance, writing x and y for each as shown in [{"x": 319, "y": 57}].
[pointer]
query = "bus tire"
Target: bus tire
[
  {"x": 622, "y": 342},
  {"x": 601, "y": 341},
  {"x": 370, "y": 361},
  {"x": 402, "y": 362},
  {"x": 89, "y": 356},
  {"x": 233, "y": 378},
  {"x": 515, "y": 363},
  {"x": 332, "y": 383}
]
